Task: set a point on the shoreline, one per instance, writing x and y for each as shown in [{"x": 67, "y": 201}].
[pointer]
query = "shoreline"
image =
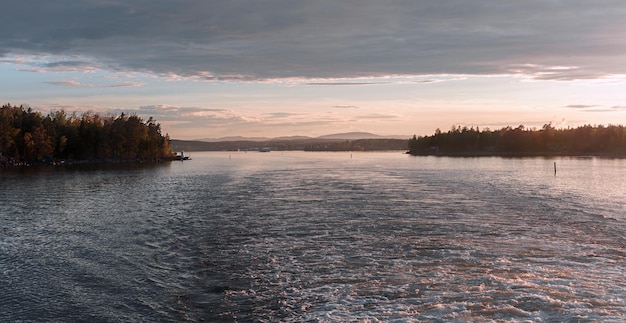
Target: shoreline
[
  {"x": 11, "y": 163},
  {"x": 517, "y": 154}
]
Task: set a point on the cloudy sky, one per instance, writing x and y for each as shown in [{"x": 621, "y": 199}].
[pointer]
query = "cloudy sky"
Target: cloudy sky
[{"x": 207, "y": 69}]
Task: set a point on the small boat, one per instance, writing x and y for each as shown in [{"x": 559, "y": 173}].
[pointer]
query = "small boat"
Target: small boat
[{"x": 181, "y": 156}]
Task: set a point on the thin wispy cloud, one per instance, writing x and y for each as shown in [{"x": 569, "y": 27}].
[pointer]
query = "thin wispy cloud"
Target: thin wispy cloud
[
  {"x": 345, "y": 107},
  {"x": 596, "y": 107},
  {"x": 125, "y": 84},
  {"x": 279, "y": 115},
  {"x": 79, "y": 84},
  {"x": 582, "y": 106},
  {"x": 67, "y": 83},
  {"x": 68, "y": 66},
  {"x": 384, "y": 80},
  {"x": 554, "y": 73},
  {"x": 38, "y": 63},
  {"x": 379, "y": 116},
  {"x": 178, "y": 111},
  {"x": 344, "y": 83}
]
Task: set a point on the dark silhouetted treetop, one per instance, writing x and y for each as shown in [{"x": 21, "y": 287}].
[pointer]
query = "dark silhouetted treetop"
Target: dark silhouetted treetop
[
  {"x": 27, "y": 136},
  {"x": 586, "y": 140}
]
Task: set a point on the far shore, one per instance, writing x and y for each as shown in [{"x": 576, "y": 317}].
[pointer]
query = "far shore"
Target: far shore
[{"x": 515, "y": 154}]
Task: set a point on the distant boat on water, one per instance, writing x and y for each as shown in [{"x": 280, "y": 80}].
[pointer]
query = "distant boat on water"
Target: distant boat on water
[{"x": 181, "y": 156}]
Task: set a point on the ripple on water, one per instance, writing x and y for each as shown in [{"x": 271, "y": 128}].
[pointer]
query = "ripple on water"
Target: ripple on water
[{"x": 311, "y": 237}]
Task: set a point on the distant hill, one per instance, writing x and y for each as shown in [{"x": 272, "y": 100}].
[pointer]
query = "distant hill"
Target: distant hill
[
  {"x": 234, "y": 138},
  {"x": 290, "y": 138},
  {"x": 351, "y": 136},
  {"x": 335, "y": 136},
  {"x": 362, "y": 135}
]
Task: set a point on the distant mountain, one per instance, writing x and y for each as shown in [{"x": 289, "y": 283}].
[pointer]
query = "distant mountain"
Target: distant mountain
[
  {"x": 351, "y": 136},
  {"x": 234, "y": 138},
  {"x": 336, "y": 136},
  {"x": 291, "y": 138}
]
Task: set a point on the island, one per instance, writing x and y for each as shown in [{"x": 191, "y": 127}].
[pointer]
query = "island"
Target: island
[
  {"x": 599, "y": 140},
  {"x": 28, "y": 137}
]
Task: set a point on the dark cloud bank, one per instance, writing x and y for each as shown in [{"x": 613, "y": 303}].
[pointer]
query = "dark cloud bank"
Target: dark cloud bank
[{"x": 252, "y": 40}]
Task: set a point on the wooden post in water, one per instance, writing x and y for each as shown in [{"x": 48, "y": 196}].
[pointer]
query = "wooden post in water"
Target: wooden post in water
[{"x": 554, "y": 168}]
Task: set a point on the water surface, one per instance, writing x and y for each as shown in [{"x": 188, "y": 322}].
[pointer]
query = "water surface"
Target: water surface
[{"x": 297, "y": 236}]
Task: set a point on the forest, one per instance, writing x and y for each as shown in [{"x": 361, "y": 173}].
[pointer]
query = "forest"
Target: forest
[
  {"x": 29, "y": 137},
  {"x": 585, "y": 140}
]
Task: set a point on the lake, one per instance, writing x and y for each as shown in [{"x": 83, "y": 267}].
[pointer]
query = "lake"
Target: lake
[{"x": 301, "y": 236}]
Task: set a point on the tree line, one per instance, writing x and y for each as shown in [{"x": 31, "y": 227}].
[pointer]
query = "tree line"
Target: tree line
[
  {"x": 27, "y": 136},
  {"x": 311, "y": 144},
  {"x": 585, "y": 140},
  {"x": 358, "y": 145}
]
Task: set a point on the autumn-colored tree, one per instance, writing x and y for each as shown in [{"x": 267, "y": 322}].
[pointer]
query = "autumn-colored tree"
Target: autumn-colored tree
[
  {"x": 8, "y": 132},
  {"x": 27, "y": 135}
]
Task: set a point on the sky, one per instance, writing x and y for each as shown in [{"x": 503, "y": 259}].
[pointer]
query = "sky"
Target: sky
[{"x": 269, "y": 68}]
